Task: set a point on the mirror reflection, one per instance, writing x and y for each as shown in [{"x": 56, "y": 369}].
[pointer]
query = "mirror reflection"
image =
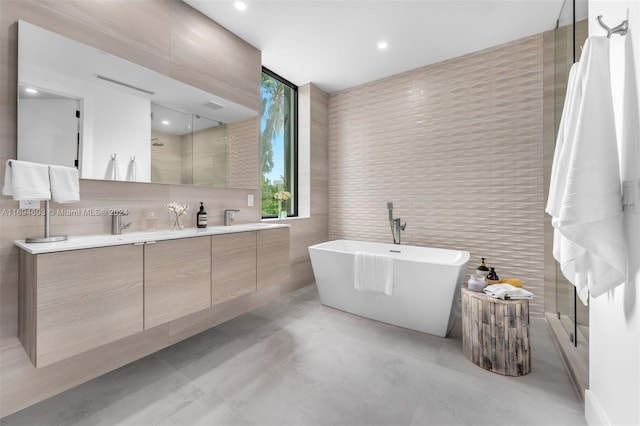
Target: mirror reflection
[
  {"x": 187, "y": 148},
  {"x": 115, "y": 120}
]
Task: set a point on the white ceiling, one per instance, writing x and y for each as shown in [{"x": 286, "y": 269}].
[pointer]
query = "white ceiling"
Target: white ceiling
[{"x": 333, "y": 43}]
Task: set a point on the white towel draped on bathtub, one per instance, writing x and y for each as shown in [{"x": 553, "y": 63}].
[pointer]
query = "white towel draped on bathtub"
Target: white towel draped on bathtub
[{"x": 373, "y": 272}]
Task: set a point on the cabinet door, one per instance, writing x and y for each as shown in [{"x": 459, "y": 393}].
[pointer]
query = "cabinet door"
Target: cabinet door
[
  {"x": 273, "y": 256},
  {"x": 86, "y": 298},
  {"x": 233, "y": 265},
  {"x": 177, "y": 279}
]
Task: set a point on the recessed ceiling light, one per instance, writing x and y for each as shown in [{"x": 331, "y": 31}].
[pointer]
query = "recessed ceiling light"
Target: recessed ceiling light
[
  {"x": 240, "y": 5},
  {"x": 165, "y": 122},
  {"x": 383, "y": 45},
  {"x": 31, "y": 90}
]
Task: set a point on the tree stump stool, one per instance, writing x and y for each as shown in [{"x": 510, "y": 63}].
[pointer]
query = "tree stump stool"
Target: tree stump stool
[{"x": 495, "y": 333}]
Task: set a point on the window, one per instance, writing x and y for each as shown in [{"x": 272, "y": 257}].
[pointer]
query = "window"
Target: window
[{"x": 279, "y": 145}]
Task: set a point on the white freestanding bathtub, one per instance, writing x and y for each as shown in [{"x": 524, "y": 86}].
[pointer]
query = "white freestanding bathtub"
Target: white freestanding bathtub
[{"x": 426, "y": 283}]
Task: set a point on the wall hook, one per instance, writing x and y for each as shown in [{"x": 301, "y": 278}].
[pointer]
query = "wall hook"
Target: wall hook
[{"x": 618, "y": 29}]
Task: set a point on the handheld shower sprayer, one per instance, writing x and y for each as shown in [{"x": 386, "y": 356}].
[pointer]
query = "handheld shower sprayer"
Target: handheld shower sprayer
[{"x": 390, "y": 208}]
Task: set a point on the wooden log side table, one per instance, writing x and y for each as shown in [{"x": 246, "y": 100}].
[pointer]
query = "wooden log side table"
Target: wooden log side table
[{"x": 495, "y": 333}]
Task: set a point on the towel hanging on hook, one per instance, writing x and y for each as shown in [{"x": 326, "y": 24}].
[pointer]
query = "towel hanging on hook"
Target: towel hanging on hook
[
  {"x": 132, "y": 170},
  {"x": 112, "y": 169},
  {"x": 620, "y": 29}
]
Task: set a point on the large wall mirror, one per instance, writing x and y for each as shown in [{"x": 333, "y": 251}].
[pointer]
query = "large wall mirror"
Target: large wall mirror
[{"x": 115, "y": 120}]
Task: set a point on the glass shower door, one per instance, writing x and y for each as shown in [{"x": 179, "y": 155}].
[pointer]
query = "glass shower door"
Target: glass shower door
[{"x": 569, "y": 37}]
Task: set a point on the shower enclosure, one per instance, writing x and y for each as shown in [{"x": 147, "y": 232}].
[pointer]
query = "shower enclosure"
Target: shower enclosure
[
  {"x": 567, "y": 318},
  {"x": 569, "y": 36}
]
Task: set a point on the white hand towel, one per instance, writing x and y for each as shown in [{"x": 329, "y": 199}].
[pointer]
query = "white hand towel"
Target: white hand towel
[
  {"x": 586, "y": 203},
  {"x": 507, "y": 292},
  {"x": 373, "y": 272},
  {"x": 65, "y": 184},
  {"x": 26, "y": 181}
]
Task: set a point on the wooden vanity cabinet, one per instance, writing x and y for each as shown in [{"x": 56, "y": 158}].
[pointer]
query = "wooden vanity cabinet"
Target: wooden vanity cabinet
[
  {"x": 73, "y": 301},
  {"x": 233, "y": 260},
  {"x": 77, "y": 300},
  {"x": 273, "y": 256},
  {"x": 177, "y": 279}
]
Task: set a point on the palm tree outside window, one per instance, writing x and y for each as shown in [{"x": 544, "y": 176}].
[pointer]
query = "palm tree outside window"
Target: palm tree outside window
[{"x": 279, "y": 143}]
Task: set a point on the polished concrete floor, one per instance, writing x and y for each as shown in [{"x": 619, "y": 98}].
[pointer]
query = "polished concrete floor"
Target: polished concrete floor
[{"x": 296, "y": 362}]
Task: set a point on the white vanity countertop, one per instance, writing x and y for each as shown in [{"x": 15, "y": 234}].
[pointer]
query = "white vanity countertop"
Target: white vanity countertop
[{"x": 93, "y": 241}]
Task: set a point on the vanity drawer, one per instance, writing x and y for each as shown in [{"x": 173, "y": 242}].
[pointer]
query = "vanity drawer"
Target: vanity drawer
[
  {"x": 177, "y": 279},
  {"x": 233, "y": 259}
]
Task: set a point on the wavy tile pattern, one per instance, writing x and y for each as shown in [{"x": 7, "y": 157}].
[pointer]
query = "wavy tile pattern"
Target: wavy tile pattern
[
  {"x": 457, "y": 146},
  {"x": 244, "y": 167}
]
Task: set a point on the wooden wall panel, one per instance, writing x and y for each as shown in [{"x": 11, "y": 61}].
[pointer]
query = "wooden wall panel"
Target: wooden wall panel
[
  {"x": 273, "y": 256},
  {"x": 205, "y": 55}
]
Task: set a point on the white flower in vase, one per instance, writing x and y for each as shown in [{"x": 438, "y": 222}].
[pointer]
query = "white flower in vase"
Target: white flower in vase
[{"x": 179, "y": 210}]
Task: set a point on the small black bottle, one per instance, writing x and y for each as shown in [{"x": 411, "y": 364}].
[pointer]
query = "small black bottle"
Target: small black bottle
[
  {"x": 201, "y": 217},
  {"x": 493, "y": 278}
]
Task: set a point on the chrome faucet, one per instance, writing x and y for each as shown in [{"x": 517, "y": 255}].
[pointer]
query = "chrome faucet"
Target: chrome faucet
[
  {"x": 116, "y": 222},
  {"x": 395, "y": 224},
  {"x": 229, "y": 216}
]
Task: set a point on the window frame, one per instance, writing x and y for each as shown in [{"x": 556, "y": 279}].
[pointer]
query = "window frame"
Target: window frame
[{"x": 294, "y": 187}]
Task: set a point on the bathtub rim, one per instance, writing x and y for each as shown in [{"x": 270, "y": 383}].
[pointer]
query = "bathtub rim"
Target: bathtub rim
[{"x": 464, "y": 256}]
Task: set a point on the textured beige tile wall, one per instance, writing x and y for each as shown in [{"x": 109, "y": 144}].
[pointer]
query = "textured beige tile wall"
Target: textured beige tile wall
[
  {"x": 210, "y": 157},
  {"x": 457, "y": 146},
  {"x": 224, "y": 156},
  {"x": 549, "y": 47},
  {"x": 166, "y": 160},
  {"x": 244, "y": 166}
]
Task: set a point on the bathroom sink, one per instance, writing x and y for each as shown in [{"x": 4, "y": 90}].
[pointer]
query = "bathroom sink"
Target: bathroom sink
[{"x": 247, "y": 227}]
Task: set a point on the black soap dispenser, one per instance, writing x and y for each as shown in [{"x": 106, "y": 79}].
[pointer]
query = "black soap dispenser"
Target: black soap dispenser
[
  {"x": 201, "y": 217},
  {"x": 482, "y": 270}
]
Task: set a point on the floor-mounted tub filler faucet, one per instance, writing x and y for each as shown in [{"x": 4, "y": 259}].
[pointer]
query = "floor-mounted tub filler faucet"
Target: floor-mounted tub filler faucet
[
  {"x": 396, "y": 227},
  {"x": 229, "y": 216}
]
